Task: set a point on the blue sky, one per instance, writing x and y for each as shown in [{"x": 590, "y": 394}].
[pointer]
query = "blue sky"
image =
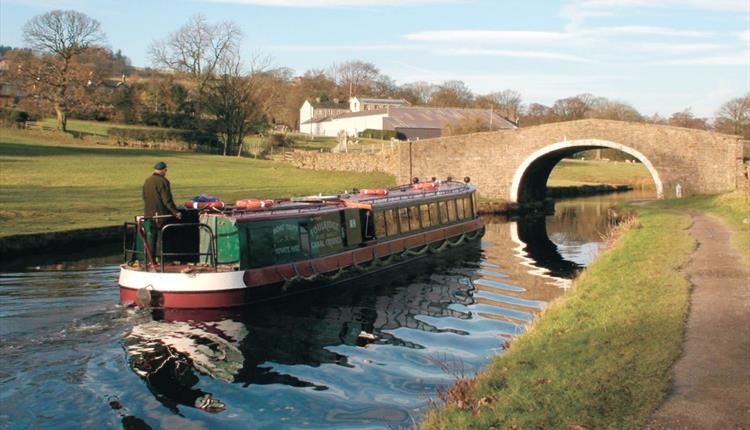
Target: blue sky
[{"x": 658, "y": 55}]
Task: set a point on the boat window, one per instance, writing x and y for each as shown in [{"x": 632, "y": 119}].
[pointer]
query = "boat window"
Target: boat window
[
  {"x": 451, "y": 210},
  {"x": 474, "y": 204},
  {"x": 460, "y": 209},
  {"x": 443, "y": 212},
  {"x": 414, "y": 218},
  {"x": 391, "y": 223},
  {"x": 379, "y": 224},
  {"x": 434, "y": 218},
  {"x": 469, "y": 209},
  {"x": 403, "y": 217},
  {"x": 260, "y": 238},
  {"x": 424, "y": 211},
  {"x": 304, "y": 240}
]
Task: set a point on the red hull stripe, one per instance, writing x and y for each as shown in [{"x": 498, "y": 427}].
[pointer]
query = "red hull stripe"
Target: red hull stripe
[
  {"x": 189, "y": 300},
  {"x": 331, "y": 263}
]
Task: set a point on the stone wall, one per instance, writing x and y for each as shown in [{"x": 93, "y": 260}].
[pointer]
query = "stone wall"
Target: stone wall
[
  {"x": 700, "y": 162},
  {"x": 354, "y": 162}
]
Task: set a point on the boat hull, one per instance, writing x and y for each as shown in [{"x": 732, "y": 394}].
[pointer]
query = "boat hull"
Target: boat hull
[{"x": 239, "y": 288}]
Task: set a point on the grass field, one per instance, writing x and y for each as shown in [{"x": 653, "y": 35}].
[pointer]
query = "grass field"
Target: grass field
[
  {"x": 56, "y": 183},
  {"x": 254, "y": 144},
  {"x": 592, "y": 172},
  {"x": 601, "y": 356},
  {"x": 98, "y": 128},
  {"x": 733, "y": 208}
]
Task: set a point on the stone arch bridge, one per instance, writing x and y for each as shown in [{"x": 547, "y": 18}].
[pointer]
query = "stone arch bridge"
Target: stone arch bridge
[{"x": 514, "y": 165}]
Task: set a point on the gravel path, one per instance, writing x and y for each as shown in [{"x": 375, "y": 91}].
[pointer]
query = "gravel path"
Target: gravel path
[{"x": 712, "y": 378}]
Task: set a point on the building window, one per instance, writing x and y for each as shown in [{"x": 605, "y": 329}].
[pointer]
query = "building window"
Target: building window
[
  {"x": 460, "y": 209},
  {"x": 443, "y": 207},
  {"x": 451, "y": 210},
  {"x": 469, "y": 208}
]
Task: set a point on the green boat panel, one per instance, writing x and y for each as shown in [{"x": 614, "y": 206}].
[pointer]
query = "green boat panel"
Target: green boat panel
[{"x": 353, "y": 227}]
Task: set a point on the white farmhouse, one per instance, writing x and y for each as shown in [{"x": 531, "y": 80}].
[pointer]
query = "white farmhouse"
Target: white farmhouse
[{"x": 388, "y": 114}]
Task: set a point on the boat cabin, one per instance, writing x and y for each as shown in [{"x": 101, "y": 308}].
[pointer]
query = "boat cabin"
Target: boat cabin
[{"x": 268, "y": 233}]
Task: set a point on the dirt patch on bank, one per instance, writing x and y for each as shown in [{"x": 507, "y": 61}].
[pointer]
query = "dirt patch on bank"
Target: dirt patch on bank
[{"x": 712, "y": 378}]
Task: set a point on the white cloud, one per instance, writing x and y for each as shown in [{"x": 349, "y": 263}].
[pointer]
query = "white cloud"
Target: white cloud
[
  {"x": 334, "y": 48},
  {"x": 744, "y": 36},
  {"x": 642, "y": 30},
  {"x": 739, "y": 59},
  {"x": 577, "y": 11},
  {"x": 333, "y": 3},
  {"x": 543, "y": 55},
  {"x": 674, "y": 48},
  {"x": 487, "y": 36}
]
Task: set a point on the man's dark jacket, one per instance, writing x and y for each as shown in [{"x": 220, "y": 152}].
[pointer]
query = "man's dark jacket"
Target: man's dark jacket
[{"x": 157, "y": 196}]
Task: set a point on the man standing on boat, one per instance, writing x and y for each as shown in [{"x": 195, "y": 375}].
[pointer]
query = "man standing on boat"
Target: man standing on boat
[{"x": 158, "y": 202}]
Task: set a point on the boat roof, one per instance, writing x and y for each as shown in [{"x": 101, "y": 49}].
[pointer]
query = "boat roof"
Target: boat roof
[{"x": 366, "y": 199}]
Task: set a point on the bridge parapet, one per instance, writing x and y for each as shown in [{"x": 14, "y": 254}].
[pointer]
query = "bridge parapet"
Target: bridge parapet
[{"x": 515, "y": 164}]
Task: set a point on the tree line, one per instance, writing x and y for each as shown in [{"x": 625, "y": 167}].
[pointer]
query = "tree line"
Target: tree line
[{"x": 200, "y": 79}]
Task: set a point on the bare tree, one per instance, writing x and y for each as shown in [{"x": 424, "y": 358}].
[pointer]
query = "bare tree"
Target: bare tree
[
  {"x": 604, "y": 108},
  {"x": 355, "y": 75},
  {"x": 536, "y": 114},
  {"x": 198, "y": 49},
  {"x": 418, "y": 92},
  {"x": 686, "y": 119},
  {"x": 452, "y": 94},
  {"x": 572, "y": 108},
  {"x": 239, "y": 99},
  {"x": 506, "y": 103},
  {"x": 60, "y": 36},
  {"x": 733, "y": 117}
]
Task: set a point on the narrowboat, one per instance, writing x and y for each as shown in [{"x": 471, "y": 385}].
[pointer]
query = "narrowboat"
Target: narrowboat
[{"x": 221, "y": 256}]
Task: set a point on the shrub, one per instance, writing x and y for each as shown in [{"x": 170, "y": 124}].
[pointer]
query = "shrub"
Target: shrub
[
  {"x": 14, "y": 118},
  {"x": 204, "y": 140},
  {"x": 371, "y": 133}
]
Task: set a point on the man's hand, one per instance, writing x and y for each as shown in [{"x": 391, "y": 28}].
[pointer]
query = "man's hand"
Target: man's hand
[{"x": 178, "y": 215}]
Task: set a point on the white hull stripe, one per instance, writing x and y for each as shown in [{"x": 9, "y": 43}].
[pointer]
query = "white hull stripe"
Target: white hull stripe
[{"x": 181, "y": 282}]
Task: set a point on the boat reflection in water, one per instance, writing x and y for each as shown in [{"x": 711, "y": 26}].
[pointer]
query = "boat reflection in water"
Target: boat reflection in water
[
  {"x": 168, "y": 355},
  {"x": 365, "y": 355}
]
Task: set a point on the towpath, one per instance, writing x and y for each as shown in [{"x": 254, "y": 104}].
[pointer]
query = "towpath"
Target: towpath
[{"x": 712, "y": 378}]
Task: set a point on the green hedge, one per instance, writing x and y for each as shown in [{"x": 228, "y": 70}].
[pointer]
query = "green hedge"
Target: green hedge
[
  {"x": 371, "y": 133},
  {"x": 203, "y": 139}
]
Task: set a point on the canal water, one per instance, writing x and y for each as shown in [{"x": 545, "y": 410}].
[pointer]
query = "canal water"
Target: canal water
[{"x": 364, "y": 356}]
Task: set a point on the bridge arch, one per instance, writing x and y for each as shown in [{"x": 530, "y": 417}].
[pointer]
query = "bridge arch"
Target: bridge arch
[{"x": 529, "y": 182}]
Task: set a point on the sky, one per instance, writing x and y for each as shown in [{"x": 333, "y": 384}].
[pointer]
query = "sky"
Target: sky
[{"x": 661, "y": 56}]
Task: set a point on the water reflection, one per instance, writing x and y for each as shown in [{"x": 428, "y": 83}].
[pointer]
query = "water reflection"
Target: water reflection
[
  {"x": 452, "y": 312},
  {"x": 367, "y": 355}
]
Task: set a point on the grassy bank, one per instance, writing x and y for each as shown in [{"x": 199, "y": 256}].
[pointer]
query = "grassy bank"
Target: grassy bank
[
  {"x": 98, "y": 128},
  {"x": 733, "y": 208},
  {"x": 51, "y": 182},
  {"x": 600, "y": 356},
  {"x": 593, "y": 172}
]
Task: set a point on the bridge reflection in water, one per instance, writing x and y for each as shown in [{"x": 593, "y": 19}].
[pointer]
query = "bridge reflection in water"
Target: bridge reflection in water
[{"x": 369, "y": 354}]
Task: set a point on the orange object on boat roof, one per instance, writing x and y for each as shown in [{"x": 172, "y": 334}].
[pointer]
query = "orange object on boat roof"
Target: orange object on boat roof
[
  {"x": 253, "y": 204},
  {"x": 424, "y": 186},
  {"x": 217, "y": 204},
  {"x": 374, "y": 191}
]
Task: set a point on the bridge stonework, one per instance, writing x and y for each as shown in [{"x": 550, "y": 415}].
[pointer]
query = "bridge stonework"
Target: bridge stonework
[{"x": 514, "y": 165}]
